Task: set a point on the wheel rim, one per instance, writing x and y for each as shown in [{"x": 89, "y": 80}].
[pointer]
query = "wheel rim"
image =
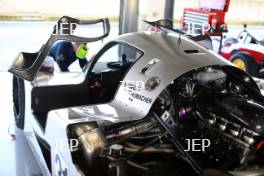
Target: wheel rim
[{"x": 240, "y": 64}]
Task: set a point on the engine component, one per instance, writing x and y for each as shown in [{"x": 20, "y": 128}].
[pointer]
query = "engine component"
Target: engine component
[
  {"x": 116, "y": 150},
  {"x": 92, "y": 141},
  {"x": 138, "y": 128},
  {"x": 210, "y": 74},
  {"x": 225, "y": 111}
]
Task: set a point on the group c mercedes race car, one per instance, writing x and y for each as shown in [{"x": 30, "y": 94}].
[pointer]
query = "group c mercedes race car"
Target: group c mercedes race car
[{"x": 148, "y": 103}]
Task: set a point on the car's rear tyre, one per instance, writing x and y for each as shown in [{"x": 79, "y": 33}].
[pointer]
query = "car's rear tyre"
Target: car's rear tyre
[
  {"x": 19, "y": 101},
  {"x": 245, "y": 62}
]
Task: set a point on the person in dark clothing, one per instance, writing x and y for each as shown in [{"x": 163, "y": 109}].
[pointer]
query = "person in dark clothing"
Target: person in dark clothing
[{"x": 65, "y": 53}]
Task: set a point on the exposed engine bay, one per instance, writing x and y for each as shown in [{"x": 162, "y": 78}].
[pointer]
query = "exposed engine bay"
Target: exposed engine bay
[{"x": 216, "y": 105}]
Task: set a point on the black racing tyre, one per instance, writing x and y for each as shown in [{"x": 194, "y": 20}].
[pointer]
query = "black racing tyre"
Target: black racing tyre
[
  {"x": 19, "y": 101},
  {"x": 245, "y": 62}
]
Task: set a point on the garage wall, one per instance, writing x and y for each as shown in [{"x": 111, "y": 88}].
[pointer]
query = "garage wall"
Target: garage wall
[
  {"x": 54, "y": 8},
  {"x": 240, "y": 11},
  {"x": 250, "y": 11}
]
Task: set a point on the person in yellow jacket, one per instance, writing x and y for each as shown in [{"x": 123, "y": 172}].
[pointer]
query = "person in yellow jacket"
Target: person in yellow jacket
[{"x": 65, "y": 53}]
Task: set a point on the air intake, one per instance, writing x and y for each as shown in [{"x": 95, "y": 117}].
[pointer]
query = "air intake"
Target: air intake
[{"x": 192, "y": 51}]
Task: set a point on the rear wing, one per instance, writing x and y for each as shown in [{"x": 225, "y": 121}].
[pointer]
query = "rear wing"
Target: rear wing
[
  {"x": 26, "y": 65},
  {"x": 166, "y": 25}
]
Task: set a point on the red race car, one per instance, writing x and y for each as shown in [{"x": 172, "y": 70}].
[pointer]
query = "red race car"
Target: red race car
[{"x": 246, "y": 52}]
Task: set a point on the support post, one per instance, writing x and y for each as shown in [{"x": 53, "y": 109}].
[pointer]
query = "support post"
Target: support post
[
  {"x": 169, "y": 8},
  {"x": 128, "y": 16}
]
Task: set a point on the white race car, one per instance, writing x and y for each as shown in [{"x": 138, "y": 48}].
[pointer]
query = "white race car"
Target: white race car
[{"x": 148, "y": 104}]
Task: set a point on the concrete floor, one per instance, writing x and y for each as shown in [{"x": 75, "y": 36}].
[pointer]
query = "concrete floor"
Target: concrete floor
[
  {"x": 7, "y": 156},
  {"x": 14, "y": 154}
]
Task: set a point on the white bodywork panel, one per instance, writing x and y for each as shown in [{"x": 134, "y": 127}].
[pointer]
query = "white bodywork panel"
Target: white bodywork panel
[{"x": 173, "y": 62}]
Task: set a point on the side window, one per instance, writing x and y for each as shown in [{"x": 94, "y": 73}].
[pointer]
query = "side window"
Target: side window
[
  {"x": 117, "y": 56},
  {"x": 111, "y": 66}
]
